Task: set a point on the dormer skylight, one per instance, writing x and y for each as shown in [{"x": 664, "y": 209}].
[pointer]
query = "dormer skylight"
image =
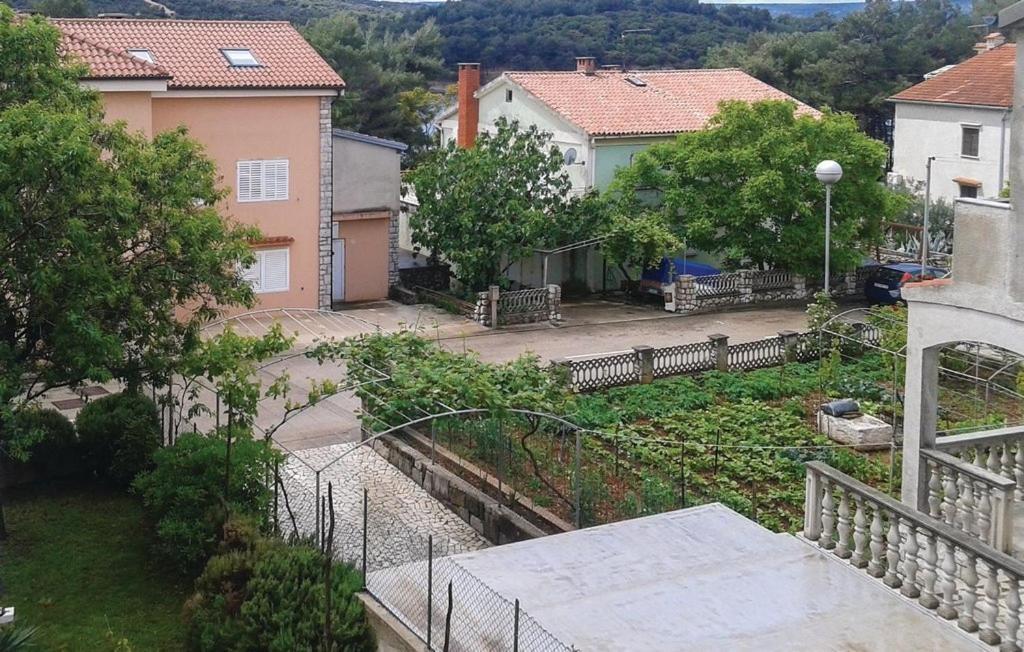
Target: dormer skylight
[
  {"x": 240, "y": 57},
  {"x": 142, "y": 54}
]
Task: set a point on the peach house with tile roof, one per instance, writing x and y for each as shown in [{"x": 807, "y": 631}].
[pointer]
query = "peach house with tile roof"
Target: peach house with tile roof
[
  {"x": 258, "y": 97},
  {"x": 960, "y": 115},
  {"x": 600, "y": 118}
]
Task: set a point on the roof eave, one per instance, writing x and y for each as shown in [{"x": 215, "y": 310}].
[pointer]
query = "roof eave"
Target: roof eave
[{"x": 962, "y": 105}]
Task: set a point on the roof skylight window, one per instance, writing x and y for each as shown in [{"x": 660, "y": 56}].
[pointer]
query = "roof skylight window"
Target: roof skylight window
[
  {"x": 240, "y": 57},
  {"x": 636, "y": 81},
  {"x": 142, "y": 54}
]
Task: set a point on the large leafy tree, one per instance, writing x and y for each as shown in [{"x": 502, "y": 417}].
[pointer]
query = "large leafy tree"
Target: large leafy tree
[
  {"x": 112, "y": 250},
  {"x": 386, "y": 72},
  {"x": 484, "y": 208},
  {"x": 745, "y": 186},
  {"x": 868, "y": 56}
]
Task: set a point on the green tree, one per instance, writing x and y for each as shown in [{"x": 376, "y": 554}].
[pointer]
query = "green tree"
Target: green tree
[
  {"x": 484, "y": 208},
  {"x": 745, "y": 186},
  {"x": 386, "y": 72},
  {"x": 866, "y": 58},
  {"x": 61, "y": 8},
  {"x": 113, "y": 250}
]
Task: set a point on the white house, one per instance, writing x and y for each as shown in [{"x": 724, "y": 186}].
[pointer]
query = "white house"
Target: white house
[
  {"x": 599, "y": 117},
  {"x": 960, "y": 118}
]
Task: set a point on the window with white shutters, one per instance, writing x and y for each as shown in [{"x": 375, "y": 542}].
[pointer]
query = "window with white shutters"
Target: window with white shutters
[
  {"x": 269, "y": 273},
  {"x": 262, "y": 180}
]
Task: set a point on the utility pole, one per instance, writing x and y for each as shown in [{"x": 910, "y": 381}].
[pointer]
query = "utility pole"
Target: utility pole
[
  {"x": 626, "y": 44},
  {"x": 927, "y": 206}
]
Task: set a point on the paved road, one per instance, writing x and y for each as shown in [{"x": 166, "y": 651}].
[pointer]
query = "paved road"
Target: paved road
[{"x": 596, "y": 327}]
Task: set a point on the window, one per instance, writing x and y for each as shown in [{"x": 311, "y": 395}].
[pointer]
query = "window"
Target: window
[
  {"x": 240, "y": 57},
  {"x": 969, "y": 140},
  {"x": 270, "y": 271},
  {"x": 262, "y": 180},
  {"x": 142, "y": 55},
  {"x": 508, "y": 95},
  {"x": 968, "y": 191}
]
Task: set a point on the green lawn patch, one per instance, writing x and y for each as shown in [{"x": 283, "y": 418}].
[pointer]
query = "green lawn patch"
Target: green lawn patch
[{"x": 78, "y": 566}]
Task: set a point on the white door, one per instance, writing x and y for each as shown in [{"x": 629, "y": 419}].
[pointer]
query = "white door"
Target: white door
[{"x": 338, "y": 271}]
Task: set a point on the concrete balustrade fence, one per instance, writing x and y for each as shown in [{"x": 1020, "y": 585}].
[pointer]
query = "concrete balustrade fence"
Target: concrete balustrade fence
[
  {"x": 644, "y": 364},
  {"x": 945, "y": 569}
]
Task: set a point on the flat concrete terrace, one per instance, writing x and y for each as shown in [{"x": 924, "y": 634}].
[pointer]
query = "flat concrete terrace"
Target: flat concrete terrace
[{"x": 703, "y": 578}]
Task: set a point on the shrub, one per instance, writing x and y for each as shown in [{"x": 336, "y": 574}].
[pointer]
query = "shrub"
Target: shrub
[
  {"x": 184, "y": 493},
  {"x": 119, "y": 434},
  {"x": 54, "y": 447},
  {"x": 271, "y": 596}
]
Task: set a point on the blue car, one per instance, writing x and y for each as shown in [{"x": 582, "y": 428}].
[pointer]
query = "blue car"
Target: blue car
[{"x": 884, "y": 284}]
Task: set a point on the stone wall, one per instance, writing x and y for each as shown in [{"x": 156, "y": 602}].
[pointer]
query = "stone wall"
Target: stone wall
[
  {"x": 484, "y": 513},
  {"x": 696, "y": 294},
  {"x": 326, "y": 202}
]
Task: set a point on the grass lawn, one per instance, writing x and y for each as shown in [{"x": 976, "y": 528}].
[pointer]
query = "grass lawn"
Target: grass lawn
[{"x": 77, "y": 567}]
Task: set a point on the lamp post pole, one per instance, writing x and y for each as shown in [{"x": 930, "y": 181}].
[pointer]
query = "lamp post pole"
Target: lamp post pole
[
  {"x": 927, "y": 205},
  {"x": 828, "y": 173},
  {"x": 828, "y": 234}
]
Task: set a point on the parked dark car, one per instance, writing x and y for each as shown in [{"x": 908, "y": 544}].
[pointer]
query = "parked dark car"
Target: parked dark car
[{"x": 884, "y": 284}]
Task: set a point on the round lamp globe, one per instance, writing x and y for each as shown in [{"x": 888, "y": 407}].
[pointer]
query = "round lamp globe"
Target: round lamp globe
[{"x": 828, "y": 172}]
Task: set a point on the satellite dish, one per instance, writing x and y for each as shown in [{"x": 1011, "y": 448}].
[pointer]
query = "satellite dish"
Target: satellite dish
[
  {"x": 989, "y": 20},
  {"x": 569, "y": 156}
]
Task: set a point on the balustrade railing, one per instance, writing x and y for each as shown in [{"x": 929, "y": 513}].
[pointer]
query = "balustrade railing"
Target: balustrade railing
[
  {"x": 944, "y": 568},
  {"x": 1000, "y": 451},
  {"x": 970, "y": 498}
]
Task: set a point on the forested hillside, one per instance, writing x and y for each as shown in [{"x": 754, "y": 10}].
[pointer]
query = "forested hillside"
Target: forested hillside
[{"x": 547, "y": 34}]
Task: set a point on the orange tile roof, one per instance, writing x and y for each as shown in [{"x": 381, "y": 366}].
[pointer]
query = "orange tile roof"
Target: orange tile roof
[
  {"x": 105, "y": 63},
  {"x": 985, "y": 79},
  {"x": 606, "y": 103},
  {"x": 190, "y": 52}
]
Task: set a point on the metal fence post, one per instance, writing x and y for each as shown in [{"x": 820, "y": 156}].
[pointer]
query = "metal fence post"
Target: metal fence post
[
  {"x": 448, "y": 619},
  {"x": 515, "y": 629},
  {"x": 430, "y": 588},
  {"x": 366, "y": 503},
  {"x": 277, "y": 522},
  {"x": 577, "y": 480},
  {"x": 316, "y": 515},
  {"x": 216, "y": 420}
]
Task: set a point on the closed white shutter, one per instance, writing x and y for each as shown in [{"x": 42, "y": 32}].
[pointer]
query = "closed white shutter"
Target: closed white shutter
[
  {"x": 276, "y": 180},
  {"x": 275, "y": 270},
  {"x": 262, "y": 180},
  {"x": 244, "y": 185}
]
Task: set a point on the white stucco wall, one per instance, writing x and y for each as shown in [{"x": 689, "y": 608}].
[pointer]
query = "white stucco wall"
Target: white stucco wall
[
  {"x": 924, "y": 130},
  {"x": 529, "y": 111}
]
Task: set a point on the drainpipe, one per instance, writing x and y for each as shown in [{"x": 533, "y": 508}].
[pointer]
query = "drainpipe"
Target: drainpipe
[{"x": 1002, "y": 149}]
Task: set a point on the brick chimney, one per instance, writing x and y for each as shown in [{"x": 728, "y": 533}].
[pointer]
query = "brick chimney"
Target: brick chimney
[
  {"x": 587, "y": 65},
  {"x": 469, "y": 105}
]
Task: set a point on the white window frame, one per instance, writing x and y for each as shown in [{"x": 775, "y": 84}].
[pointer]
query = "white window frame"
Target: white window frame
[
  {"x": 964, "y": 126},
  {"x": 142, "y": 54},
  {"x": 240, "y": 58},
  {"x": 259, "y": 168},
  {"x": 256, "y": 273}
]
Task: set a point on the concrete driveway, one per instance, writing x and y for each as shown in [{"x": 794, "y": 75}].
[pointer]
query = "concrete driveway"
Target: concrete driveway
[{"x": 598, "y": 326}]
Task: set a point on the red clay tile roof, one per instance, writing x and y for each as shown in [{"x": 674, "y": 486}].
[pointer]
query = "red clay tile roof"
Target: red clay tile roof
[
  {"x": 985, "y": 79},
  {"x": 105, "y": 63},
  {"x": 190, "y": 51},
  {"x": 606, "y": 103}
]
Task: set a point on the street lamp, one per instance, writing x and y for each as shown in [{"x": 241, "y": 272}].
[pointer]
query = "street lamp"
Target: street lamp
[{"x": 828, "y": 173}]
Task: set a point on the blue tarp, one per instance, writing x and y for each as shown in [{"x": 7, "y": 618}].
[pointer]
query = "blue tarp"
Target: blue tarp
[{"x": 665, "y": 274}]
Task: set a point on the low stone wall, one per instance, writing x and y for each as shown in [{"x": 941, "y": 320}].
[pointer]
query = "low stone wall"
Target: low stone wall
[
  {"x": 696, "y": 294},
  {"x": 494, "y": 521}
]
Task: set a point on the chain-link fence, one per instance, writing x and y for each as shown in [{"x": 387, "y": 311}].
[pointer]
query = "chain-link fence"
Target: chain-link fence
[{"x": 410, "y": 572}]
